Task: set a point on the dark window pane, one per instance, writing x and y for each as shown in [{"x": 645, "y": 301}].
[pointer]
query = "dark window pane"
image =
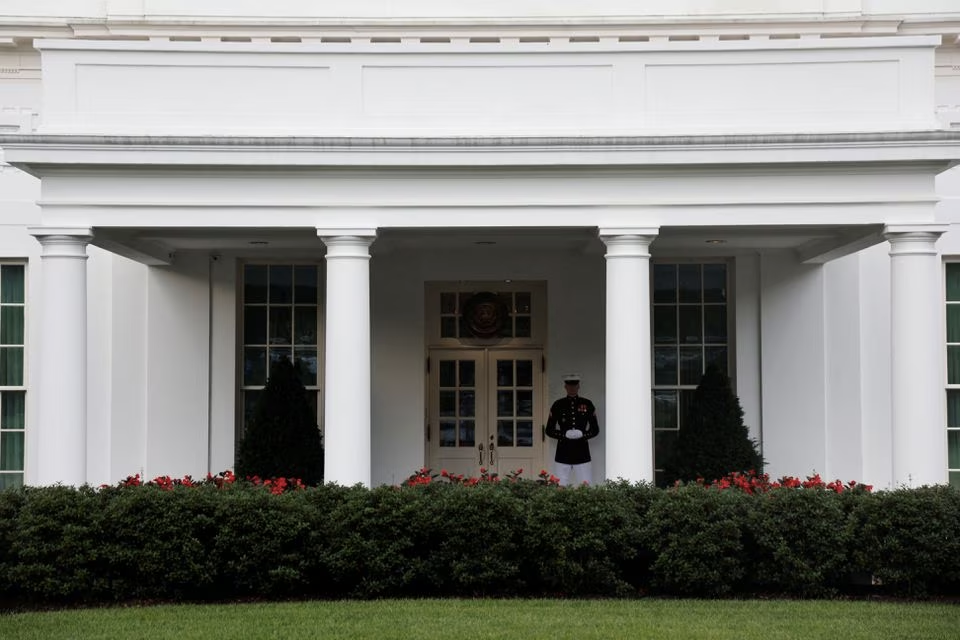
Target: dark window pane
[
  {"x": 281, "y": 325},
  {"x": 525, "y": 403},
  {"x": 467, "y": 433},
  {"x": 254, "y": 283},
  {"x": 12, "y": 283},
  {"x": 504, "y": 433},
  {"x": 523, "y": 326},
  {"x": 448, "y": 403},
  {"x": 448, "y": 327},
  {"x": 523, "y": 302},
  {"x": 11, "y": 325},
  {"x": 714, "y": 283},
  {"x": 11, "y": 451},
  {"x": 448, "y": 433},
  {"x": 953, "y": 323},
  {"x": 954, "y": 479},
  {"x": 250, "y": 399},
  {"x": 665, "y": 324},
  {"x": 691, "y": 331},
  {"x": 664, "y": 283},
  {"x": 254, "y": 366},
  {"x": 305, "y": 285},
  {"x": 306, "y": 361},
  {"x": 13, "y": 409},
  {"x": 691, "y": 365},
  {"x": 305, "y": 325},
  {"x": 504, "y": 373},
  {"x": 281, "y": 284},
  {"x": 254, "y": 325},
  {"x": 524, "y": 373},
  {"x": 953, "y": 281},
  {"x": 524, "y": 433},
  {"x": 664, "y": 442},
  {"x": 11, "y": 366},
  {"x": 953, "y": 449},
  {"x": 505, "y": 403},
  {"x": 686, "y": 400},
  {"x": 468, "y": 404},
  {"x": 665, "y": 409},
  {"x": 689, "y": 277},
  {"x": 953, "y": 364},
  {"x": 448, "y": 373},
  {"x": 715, "y": 323},
  {"x": 953, "y": 408},
  {"x": 665, "y": 365},
  {"x": 468, "y": 373},
  {"x": 277, "y": 354},
  {"x": 717, "y": 356},
  {"x": 448, "y": 303}
]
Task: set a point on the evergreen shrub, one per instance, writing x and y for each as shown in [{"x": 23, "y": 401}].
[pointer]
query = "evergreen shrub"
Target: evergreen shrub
[
  {"x": 713, "y": 440},
  {"x": 223, "y": 539},
  {"x": 282, "y": 439}
]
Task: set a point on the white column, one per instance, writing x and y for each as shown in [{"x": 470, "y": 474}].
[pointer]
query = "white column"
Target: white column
[
  {"x": 917, "y": 356},
  {"x": 346, "y": 395},
  {"x": 629, "y": 421},
  {"x": 61, "y": 377}
]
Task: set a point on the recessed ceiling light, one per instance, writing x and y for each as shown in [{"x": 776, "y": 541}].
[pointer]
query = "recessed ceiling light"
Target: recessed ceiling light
[
  {"x": 259, "y": 242},
  {"x": 715, "y": 241},
  {"x": 484, "y": 242}
]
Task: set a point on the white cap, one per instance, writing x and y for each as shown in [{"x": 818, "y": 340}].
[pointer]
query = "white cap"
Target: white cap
[{"x": 570, "y": 377}]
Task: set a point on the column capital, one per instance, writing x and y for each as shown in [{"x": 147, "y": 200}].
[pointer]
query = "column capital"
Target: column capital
[
  {"x": 913, "y": 239},
  {"x": 63, "y": 242},
  {"x": 348, "y": 243},
  {"x": 628, "y": 241}
]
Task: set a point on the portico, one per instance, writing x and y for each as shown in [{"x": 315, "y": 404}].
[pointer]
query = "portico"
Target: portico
[{"x": 401, "y": 183}]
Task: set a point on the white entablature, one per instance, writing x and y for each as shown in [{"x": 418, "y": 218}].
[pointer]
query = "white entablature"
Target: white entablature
[{"x": 513, "y": 88}]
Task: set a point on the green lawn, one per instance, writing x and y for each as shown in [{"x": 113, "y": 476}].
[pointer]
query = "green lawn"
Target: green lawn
[{"x": 516, "y": 619}]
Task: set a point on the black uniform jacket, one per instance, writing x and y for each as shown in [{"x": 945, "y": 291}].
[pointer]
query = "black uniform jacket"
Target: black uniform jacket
[{"x": 572, "y": 412}]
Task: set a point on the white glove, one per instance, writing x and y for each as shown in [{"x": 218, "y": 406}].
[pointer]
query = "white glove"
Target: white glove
[{"x": 573, "y": 434}]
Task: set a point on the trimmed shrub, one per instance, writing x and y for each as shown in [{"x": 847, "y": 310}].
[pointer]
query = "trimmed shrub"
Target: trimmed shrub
[
  {"x": 222, "y": 539},
  {"x": 282, "y": 439},
  {"x": 713, "y": 440}
]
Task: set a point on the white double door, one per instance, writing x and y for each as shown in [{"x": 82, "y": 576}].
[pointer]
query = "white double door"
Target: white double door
[{"x": 486, "y": 411}]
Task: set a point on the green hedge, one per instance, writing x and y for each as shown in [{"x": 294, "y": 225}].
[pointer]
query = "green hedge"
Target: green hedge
[{"x": 66, "y": 546}]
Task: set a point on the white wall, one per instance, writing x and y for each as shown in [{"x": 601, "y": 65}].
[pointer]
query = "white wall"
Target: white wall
[
  {"x": 842, "y": 350},
  {"x": 746, "y": 341},
  {"x": 177, "y": 368},
  {"x": 793, "y": 369}
]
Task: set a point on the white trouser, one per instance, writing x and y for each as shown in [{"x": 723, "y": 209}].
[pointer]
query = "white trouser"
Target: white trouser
[{"x": 567, "y": 473}]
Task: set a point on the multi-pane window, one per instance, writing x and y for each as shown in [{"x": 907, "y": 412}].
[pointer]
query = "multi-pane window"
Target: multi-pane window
[
  {"x": 12, "y": 385},
  {"x": 689, "y": 333},
  {"x": 516, "y": 308},
  {"x": 953, "y": 371},
  {"x": 281, "y": 319}
]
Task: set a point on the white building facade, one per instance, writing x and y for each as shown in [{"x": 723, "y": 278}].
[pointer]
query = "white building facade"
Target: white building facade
[{"x": 439, "y": 210}]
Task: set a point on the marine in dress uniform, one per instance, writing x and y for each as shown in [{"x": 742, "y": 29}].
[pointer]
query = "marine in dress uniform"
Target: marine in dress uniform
[{"x": 572, "y": 422}]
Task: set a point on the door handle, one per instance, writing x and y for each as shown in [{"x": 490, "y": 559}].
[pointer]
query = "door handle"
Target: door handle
[
  {"x": 480, "y": 447},
  {"x": 493, "y": 454}
]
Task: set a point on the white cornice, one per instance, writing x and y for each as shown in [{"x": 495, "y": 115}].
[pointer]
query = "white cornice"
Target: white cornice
[{"x": 930, "y": 151}]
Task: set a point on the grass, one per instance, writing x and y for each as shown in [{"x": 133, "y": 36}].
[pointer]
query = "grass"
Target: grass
[{"x": 482, "y": 619}]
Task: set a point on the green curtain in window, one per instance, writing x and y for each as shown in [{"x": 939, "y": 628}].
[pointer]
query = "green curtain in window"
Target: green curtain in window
[
  {"x": 11, "y": 324},
  {"x": 11, "y": 283},
  {"x": 953, "y": 282},
  {"x": 11, "y": 366},
  {"x": 11, "y": 451},
  {"x": 13, "y": 409}
]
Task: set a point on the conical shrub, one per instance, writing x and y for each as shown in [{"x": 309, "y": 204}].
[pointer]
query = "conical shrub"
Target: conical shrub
[
  {"x": 282, "y": 439},
  {"x": 713, "y": 441}
]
